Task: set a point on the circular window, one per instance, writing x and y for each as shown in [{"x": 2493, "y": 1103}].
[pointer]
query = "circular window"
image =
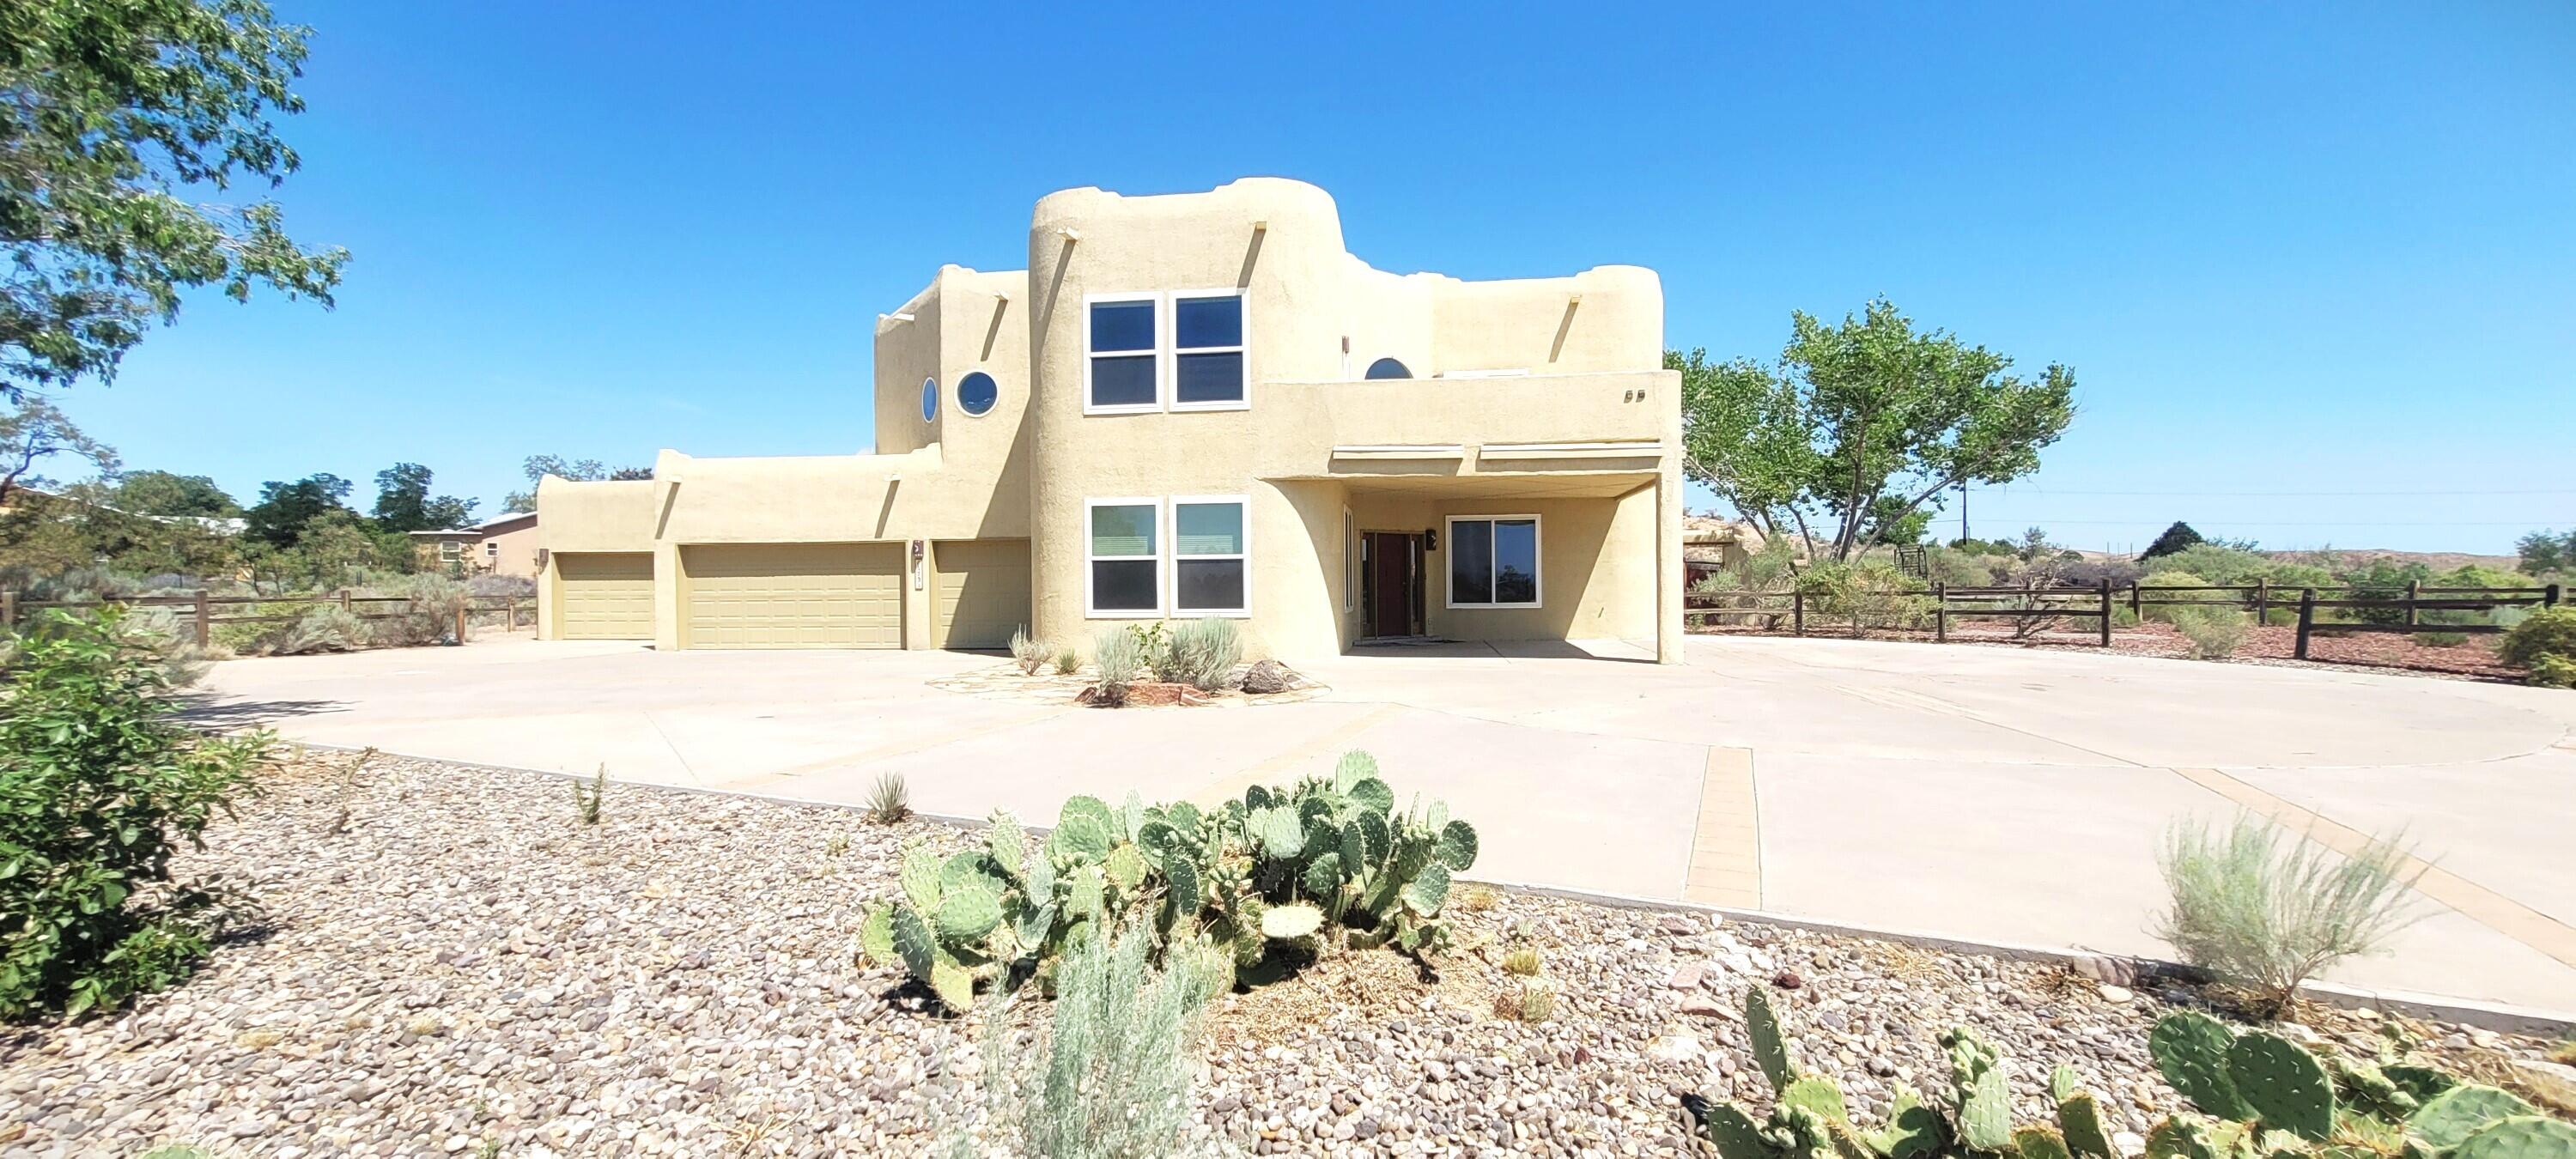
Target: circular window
[
  {"x": 929, "y": 399},
  {"x": 1388, "y": 368},
  {"x": 976, "y": 392}
]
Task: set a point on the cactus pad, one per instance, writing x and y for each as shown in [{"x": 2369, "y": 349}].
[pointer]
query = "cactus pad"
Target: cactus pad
[
  {"x": 2191, "y": 1050},
  {"x": 1323, "y": 877},
  {"x": 920, "y": 877},
  {"x": 968, "y": 912},
  {"x": 1772, "y": 1050},
  {"x": 876, "y": 935},
  {"x": 1985, "y": 1114},
  {"x": 2079, "y": 1119},
  {"x": 1003, "y": 842},
  {"x": 952, "y": 981},
  {"x": 1815, "y": 1094},
  {"x": 2037, "y": 1142},
  {"x": 1458, "y": 846},
  {"x": 2520, "y": 1137},
  {"x": 1291, "y": 921},
  {"x": 1080, "y": 837},
  {"x": 2178, "y": 1138},
  {"x": 2285, "y": 1085},
  {"x": 1125, "y": 867},
  {"x": 1428, "y": 891},
  {"x": 1733, "y": 1132},
  {"x": 2452, "y": 1116},
  {"x": 1913, "y": 1131},
  {"x": 913, "y": 943}
]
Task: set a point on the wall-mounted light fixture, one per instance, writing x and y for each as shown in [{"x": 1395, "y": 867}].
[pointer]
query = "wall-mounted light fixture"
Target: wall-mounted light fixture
[{"x": 1430, "y": 539}]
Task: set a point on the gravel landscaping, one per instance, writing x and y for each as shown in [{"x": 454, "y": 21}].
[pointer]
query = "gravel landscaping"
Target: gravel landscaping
[{"x": 449, "y": 964}]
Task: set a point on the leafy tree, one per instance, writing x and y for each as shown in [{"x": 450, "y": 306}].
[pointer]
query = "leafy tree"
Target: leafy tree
[
  {"x": 2175, "y": 538},
  {"x": 2543, "y": 552},
  {"x": 165, "y": 493},
  {"x": 403, "y": 501},
  {"x": 1859, "y": 412},
  {"x": 285, "y": 509},
  {"x": 33, "y": 429},
  {"x": 1891, "y": 524},
  {"x": 114, "y": 110},
  {"x": 576, "y": 470}
]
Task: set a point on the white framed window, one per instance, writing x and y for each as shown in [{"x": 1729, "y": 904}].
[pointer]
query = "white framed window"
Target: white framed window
[
  {"x": 1350, "y": 562},
  {"x": 1123, "y": 561},
  {"x": 449, "y": 550},
  {"x": 1211, "y": 555},
  {"x": 1207, "y": 350},
  {"x": 1493, "y": 561},
  {"x": 491, "y": 549},
  {"x": 1178, "y": 350},
  {"x": 1122, "y": 353}
]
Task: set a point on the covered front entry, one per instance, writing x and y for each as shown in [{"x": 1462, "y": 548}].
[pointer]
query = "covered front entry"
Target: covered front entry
[
  {"x": 792, "y": 595},
  {"x": 1390, "y": 584},
  {"x": 604, "y": 595},
  {"x": 979, "y": 592}
]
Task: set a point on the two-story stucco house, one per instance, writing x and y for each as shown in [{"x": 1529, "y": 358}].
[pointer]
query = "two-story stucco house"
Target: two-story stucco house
[{"x": 1189, "y": 405}]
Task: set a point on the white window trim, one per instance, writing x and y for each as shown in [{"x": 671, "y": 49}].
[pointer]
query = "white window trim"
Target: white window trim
[
  {"x": 1166, "y": 351},
  {"x": 1162, "y": 320},
  {"x": 929, "y": 406},
  {"x": 1172, "y": 554},
  {"x": 1172, "y": 345},
  {"x": 1162, "y": 542},
  {"x": 491, "y": 549},
  {"x": 1538, "y": 557},
  {"x": 1350, "y": 562}
]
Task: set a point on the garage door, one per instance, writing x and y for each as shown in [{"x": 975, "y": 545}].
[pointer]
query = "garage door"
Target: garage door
[
  {"x": 793, "y": 595},
  {"x": 604, "y": 595},
  {"x": 979, "y": 592}
]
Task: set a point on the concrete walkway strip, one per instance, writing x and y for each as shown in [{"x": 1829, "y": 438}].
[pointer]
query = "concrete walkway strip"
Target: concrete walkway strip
[
  {"x": 2476, "y": 902},
  {"x": 1726, "y": 845}
]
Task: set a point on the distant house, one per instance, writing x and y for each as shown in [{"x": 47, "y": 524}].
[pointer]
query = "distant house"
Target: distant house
[{"x": 503, "y": 546}]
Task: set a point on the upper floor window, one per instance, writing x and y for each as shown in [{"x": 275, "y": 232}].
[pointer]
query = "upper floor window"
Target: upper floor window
[
  {"x": 976, "y": 393},
  {"x": 1493, "y": 561},
  {"x": 1388, "y": 368},
  {"x": 1181, "y": 350}
]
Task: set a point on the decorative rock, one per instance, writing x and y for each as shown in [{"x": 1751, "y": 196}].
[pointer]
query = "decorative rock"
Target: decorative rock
[
  {"x": 1267, "y": 677},
  {"x": 1787, "y": 980},
  {"x": 1677, "y": 925},
  {"x": 1684, "y": 977},
  {"x": 2115, "y": 995}
]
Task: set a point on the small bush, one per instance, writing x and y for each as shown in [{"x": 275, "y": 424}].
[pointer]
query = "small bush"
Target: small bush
[
  {"x": 2544, "y": 633},
  {"x": 2149, "y": 605},
  {"x": 1067, "y": 660},
  {"x": 1866, "y": 596},
  {"x": 428, "y": 615},
  {"x": 1027, "y": 653},
  {"x": 2554, "y": 671},
  {"x": 1118, "y": 653},
  {"x": 323, "y": 628},
  {"x": 1526, "y": 1002},
  {"x": 1523, "y": 962},
  {"x": 101, "y": 787},
  {"x": 889, "y": 801},
  {"x": 1110, "y": 1075},
  {"x": 2215, "y": 633},
  {"x": 2270, "y": 917},
  {"x": 586, "y": 802},
  {"x": 1203, "y": 653}
]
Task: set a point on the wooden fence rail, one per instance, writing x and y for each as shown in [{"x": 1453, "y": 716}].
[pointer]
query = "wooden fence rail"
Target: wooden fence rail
[{"x": 201, "y": 608}]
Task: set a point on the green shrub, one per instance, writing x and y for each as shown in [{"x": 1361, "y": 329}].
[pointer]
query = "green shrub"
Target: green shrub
[
  {"x": 2215, "y": 633},
  {"x": 98, "y": 786},
  {"x": 2270, "y": 917},
  {"x": 2554, "y": 671},
  {"x": 1110, "y": 1076},
  {"x": 889, "y": 800},
  {"x": 1203, "y": 653},
  {"x": 1960, "y": 569},
  {"x": 1067, "y": 660},
  {"x": 2547, "y": 632},
  {"x": 1866, "y": 596},
  {"x": 1268, "y": 878},
  {"x": 427, "y": 615},
  {"x": 322, "y": 628},
  {"x": 1118, "y": 652}
]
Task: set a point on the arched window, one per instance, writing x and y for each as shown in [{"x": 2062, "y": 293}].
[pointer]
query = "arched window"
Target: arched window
[
  {"x": 976, "y": 392},
  {"x": 929, "y": 399},
  {"x": 1388, "y": 368}
]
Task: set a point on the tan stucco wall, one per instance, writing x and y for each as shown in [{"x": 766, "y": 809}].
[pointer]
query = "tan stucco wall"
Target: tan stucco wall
[
  {"x": 1315, "y": 317},
  {"x": 514, "y": 551}
]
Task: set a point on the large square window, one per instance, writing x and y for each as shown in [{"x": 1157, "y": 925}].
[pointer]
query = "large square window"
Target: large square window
[
  {"x": 1120, "y": 347},
  {"x": 1207, "y": 350},
  {"x": 1209, "y": 555},
  {"x": 1493, "y": 561},
  {"x": 1126, "y": 568}
]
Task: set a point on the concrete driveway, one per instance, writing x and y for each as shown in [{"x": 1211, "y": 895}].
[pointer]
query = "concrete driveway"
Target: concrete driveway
[{"x": 1984, "y": 793}]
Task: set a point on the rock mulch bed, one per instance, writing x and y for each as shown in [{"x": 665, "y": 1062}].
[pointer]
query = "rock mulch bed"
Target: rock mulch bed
[{"x": 450, "y": 965}]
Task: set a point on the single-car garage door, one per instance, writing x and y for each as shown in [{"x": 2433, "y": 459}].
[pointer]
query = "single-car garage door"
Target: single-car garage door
[
  {"x": 601, "y": 595},
  {"x": 979, "y": 590},
  {"x": 793, "y": 595}
]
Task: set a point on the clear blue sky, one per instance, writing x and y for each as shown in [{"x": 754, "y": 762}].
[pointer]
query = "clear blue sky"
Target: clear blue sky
[{"x": 2286, "y": 248}]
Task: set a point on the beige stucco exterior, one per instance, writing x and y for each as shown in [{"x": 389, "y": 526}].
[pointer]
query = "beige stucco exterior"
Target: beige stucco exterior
[
  {"x": 504, "y": 546},
  {"x": 1538, "y": 397}
]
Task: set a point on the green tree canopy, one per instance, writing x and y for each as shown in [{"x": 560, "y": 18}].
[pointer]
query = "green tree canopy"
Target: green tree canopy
[
  {"x": 2543, "y": 552},
  {"x": 1861, "y": 424},
  {"x": 118, "y": 114},
  {"x": 32, "y": 430},
  {"x": 285, "y": 509},
  {"x": 2175, "y": 538},
  {"x": 577, "y": 470},
  {"x": 403, "y": 501},
  {"x": 165, "y": 493}
]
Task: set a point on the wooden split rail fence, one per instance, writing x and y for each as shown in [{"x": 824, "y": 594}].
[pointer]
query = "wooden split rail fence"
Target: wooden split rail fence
[{"x": 203, "y": 610}]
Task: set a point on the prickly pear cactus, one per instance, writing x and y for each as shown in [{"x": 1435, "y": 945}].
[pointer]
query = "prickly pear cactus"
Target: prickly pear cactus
[
  {"x": 1734, "y": 1133},
  {"x": 2037, "y": 1142},
  {"x": 1978, "y": 1099},
  {"x": 1913, "y": 1131},
  {"x": 2079, "y": 1120},
  {"x": 1815, "y": 1094},
  {"x": 2285, "y": 1085},
  {"x": 2520, "y": 1137},
  {"x": 2181, "y": 1138},
  {"x": 1772, "y": 1050},
  {"x": 2191, "y": 1049},
  {"x": 2452, "y": 1116}
]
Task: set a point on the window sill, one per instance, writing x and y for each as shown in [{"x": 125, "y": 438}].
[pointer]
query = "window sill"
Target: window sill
[
  {"x": 1184, "y": 407},
  {"x": 1122, "y": 409},
  {"x": 1114, "y": 614},
  {"x": 1491, "y": 607},
  {"x": 1214, "y": 613}
]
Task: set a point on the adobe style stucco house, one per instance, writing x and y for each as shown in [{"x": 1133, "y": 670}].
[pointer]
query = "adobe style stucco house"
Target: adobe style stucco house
[
  {"x": 1188, "y": 405},
  {"x": 506, "y": 545}
]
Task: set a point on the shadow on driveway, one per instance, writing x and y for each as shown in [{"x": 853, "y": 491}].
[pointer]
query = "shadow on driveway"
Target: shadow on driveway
[{"x": 207, "y": 712}]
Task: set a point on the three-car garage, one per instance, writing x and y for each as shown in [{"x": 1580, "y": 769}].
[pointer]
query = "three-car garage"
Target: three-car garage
[{"x": 801, "y": 595}]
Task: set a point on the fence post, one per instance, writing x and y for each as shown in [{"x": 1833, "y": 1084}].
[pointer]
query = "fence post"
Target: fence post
[
  {"x": 2105, "y": 581},
  {"x": 1798, "y": 610},
  {"x": 205, "y": 620},
  {"x": 2263, "y": 602},
  {"x": 2134, "y": 609},
  {"x": 344, "y": 599},
  {"x": 2414, "y": 592},
  {"x": 2307, "y": 616},
  {"x": 460, "y": 623},
  {"x": 9, "y": 608},
  {"x": 2549, "y": 596},
  {"x": 1941, "y": 613}
]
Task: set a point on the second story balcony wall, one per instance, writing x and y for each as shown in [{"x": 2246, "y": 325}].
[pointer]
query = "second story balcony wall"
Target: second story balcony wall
[{"x": 1535, "y": 424}]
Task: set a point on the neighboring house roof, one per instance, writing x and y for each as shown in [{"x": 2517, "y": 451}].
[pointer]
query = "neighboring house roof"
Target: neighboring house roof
[
  {"x": 219, "y": 525},
  {"x": 487, "y": 527}
]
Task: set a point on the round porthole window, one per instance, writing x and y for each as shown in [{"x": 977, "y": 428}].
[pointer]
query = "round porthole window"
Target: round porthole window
[
  {"x": 929, "y": 399},
  {"x": 976, "y": 392},
  {"x": 1388, "y": 368}
]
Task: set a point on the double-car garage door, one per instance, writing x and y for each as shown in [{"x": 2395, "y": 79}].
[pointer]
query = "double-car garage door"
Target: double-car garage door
[{"x": 801, "y": 595}]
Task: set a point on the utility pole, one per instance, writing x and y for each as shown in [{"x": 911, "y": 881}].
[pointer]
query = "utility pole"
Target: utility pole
[{"x": 1963, "y": 509}]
